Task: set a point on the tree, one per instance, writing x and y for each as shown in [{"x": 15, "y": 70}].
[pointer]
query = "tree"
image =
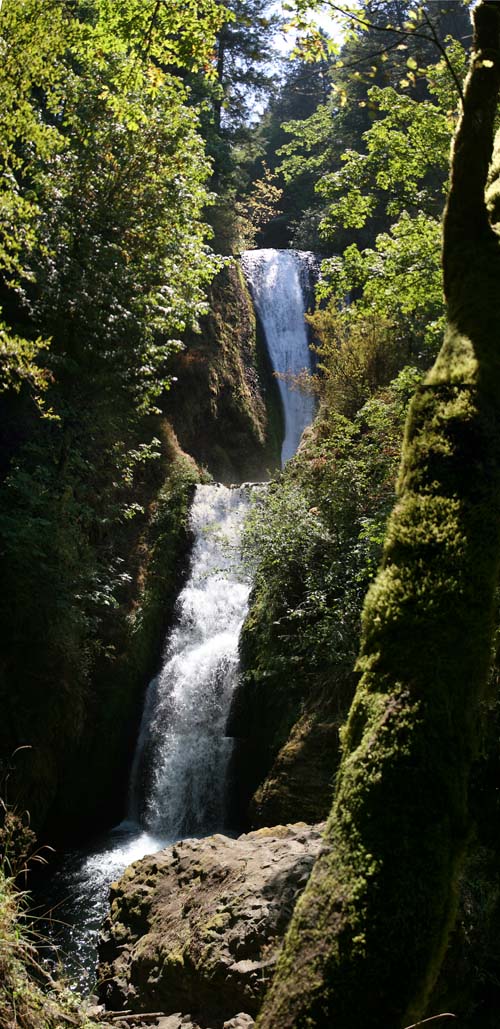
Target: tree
[
  {"x": 86, "y": 115},
  {"x": 304, "y": 86},
  {"x": 244, "y": 53},
  {"x": 246, "y": 66},
  {"x": 399, "y": 177},
  {"x": 386, "y": 46},
  {"x": 369, "y": 933},
  {"x": 104, "y": 262}
]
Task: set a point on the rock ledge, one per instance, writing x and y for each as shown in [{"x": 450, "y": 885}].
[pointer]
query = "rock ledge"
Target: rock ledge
[{"x": 198, "y": 927}]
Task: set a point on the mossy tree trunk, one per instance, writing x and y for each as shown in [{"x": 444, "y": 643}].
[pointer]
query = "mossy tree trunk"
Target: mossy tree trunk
[{"x": 369, "y": 933}]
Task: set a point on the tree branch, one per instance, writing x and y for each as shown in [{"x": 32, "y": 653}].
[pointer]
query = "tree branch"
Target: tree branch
[
  {"x": 378, "y": 28},
  {"x": 442, "y": 51},
  {"x": 149, "y": 34},
  {"x": 433, "y": 38},
  {"x": 435, "y": 1018}
]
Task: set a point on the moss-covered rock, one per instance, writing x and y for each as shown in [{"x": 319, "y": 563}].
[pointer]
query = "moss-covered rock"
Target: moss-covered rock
[
  {"x": 286, "y": 728},
  {"x": 226, "y": 408},
  {"x": 80, "y": 721},
  {"x": 370, "y": 932},
  {"x": 300, "y": 781},
  {"x": 317, "y": 537},
  {"x": 92, "y": 786},
  {"x": 198, "y": 926}
]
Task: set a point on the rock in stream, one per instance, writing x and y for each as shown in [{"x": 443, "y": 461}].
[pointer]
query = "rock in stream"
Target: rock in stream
[{"x": 195, "y": 930}]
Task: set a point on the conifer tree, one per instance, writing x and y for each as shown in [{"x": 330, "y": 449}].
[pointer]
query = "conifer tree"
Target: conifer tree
[{"x": 244, "y": 49}]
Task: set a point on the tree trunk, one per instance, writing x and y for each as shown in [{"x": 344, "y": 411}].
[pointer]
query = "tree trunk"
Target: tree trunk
[
  {"x": 221, "y": 60},
  {"x": 369, "y": 933}
]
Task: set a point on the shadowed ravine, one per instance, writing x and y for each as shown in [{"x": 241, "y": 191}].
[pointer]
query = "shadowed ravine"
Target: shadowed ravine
[{"x": 178, "y": 778}]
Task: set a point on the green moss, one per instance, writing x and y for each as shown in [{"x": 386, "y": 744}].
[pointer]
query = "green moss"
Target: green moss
[
  {"x": 122, "y": 674},
  {"x": 266, "y": 707},
  {"x": 317, "y": 537},
  {"x": 369, "y": 934},
  {"x": 299, "y": 784},
  {"x": 226, "y": 408}
]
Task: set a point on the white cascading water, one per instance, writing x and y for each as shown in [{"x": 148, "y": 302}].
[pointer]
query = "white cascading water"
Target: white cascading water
[
  {"x": 279, "y": 281},
  {"x": 178, "y": 777},
  {"x": 179, "y": 774}
]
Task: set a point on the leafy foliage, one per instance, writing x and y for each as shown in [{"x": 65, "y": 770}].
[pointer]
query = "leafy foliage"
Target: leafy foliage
[
  {"x": 107, "y": 244},
  {"x": 258, "y": 208},
  {"x": 104, "y": 264},
  {"x": 403, "y": 174},
  {"x": 316, "y": 535},
  {"x": 385, "y": 49}
]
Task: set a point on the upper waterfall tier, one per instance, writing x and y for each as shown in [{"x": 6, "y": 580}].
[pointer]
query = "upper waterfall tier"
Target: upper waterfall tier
[{"x": 279, "y": 282}]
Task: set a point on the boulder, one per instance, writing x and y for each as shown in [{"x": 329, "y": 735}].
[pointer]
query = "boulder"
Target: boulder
[{"x": 198, "y": 927}]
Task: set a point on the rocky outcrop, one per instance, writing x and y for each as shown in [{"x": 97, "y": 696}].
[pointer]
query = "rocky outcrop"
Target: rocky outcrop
[
  {"x": 175, "y": 1021},
  {"x": 286, "y": 726},
  {"x": 197, "y": 927},
  {"x": 225, "y": 407},
  {"x": 303, "y": 771}
]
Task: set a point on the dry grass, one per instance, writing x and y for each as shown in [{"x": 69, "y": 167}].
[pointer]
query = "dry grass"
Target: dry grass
[
  {"x": 24, "y": 1003},
  {"x": 29, "y": 997}
]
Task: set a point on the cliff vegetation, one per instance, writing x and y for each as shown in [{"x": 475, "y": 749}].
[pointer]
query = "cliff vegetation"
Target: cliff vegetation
[{"x": 143, "y": 146}]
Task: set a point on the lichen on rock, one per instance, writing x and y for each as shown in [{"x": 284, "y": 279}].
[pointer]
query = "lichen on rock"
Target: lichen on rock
[{"x": 197, "y": 927}]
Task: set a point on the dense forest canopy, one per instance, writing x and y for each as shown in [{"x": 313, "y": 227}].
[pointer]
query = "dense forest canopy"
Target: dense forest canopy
[{"x": 143, "y": 146}]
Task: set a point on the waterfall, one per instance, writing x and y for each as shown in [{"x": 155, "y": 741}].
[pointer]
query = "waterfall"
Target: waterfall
[
  {"x": 178, "y": 777},
  {"x": 279, "y": 281},
  {"x": 179, "y": 772}
]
